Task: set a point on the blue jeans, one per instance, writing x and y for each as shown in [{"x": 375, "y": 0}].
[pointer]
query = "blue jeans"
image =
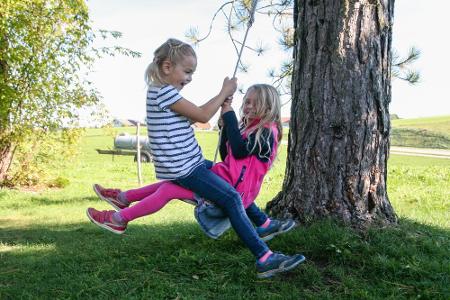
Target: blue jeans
[
  {"x": 208, "y": 185},
  {"x": 256, "y": 215}
]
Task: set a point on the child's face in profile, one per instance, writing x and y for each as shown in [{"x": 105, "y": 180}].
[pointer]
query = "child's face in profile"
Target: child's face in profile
[
  {"x": 180, "y": 74},
  {"x": 249, "y": 108}
]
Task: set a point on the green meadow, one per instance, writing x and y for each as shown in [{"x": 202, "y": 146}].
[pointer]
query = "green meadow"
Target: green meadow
[
  {"x": 438, "y": 124},
  {"x": 50, "y": 250},
  {"x": 430, "y": 132}
]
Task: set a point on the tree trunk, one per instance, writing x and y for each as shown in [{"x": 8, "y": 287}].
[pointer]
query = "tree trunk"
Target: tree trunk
[
  {"x": 6, "y": 156},
  {"x": 6, "y": 148},
  {"x": 339, "y": 128}
]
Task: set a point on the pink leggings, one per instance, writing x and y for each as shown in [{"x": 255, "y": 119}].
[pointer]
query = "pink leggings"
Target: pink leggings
[{"x": 152, "y": 198}]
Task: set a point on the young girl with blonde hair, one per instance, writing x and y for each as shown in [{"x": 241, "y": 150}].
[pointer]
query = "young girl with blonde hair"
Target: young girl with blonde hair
[{"x": 178, "y": 158}]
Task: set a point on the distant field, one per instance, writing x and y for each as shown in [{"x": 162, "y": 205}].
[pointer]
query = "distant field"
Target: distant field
[
  {"x": 439, "y": 124},
  {"x": 432, "y": 132}
]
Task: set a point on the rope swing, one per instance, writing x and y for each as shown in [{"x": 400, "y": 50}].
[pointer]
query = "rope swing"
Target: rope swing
[{"x": 249, "y": 24}]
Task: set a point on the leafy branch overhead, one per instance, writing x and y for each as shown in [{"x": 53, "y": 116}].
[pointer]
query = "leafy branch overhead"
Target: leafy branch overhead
[
  {"x": 401, "y": 67},
  {"x": 236, "y": 15}
]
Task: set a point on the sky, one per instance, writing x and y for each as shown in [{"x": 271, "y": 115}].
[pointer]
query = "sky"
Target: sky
[{"x": 146, "y": 24}]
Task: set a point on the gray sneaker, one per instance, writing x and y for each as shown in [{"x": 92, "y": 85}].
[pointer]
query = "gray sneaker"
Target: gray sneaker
[
  {"x": 277, "y": 263},
  {"x": 275, "y": 227}
]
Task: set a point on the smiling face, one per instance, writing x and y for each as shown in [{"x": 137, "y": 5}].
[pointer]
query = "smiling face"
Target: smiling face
[
  {"x": 180, "y": 74},
  {"x": 249, "y": 108}
]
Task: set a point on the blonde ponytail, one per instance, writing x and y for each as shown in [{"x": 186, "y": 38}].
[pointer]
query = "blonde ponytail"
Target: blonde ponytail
[{"x": 172, "y": 50}]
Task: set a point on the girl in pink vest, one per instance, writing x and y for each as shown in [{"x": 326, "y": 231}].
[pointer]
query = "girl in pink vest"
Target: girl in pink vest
[{"x": 248, "y": 149}]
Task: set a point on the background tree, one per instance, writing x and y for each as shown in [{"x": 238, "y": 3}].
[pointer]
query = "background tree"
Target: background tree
[
  {"x": 339, "y": 129},
  {"x": 46, "y": 48},
  {"x": 340, "y": 82}
]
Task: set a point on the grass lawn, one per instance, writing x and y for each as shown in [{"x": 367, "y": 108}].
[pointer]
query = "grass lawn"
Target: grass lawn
[
  {"x": 438, "y": 124},
  {"x": 431, "y": 132},
  {"x": 49, "y": 249}
]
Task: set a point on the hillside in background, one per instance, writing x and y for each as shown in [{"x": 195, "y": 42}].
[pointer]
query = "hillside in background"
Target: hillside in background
[
  {"x": 439, "y": 124},
  {"x": 430, "y": 132}
]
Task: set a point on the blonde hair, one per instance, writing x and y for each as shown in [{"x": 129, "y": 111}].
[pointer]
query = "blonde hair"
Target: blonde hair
[
  {"x": 173, "y": 51},
  {"x": 267, "y": 110}
]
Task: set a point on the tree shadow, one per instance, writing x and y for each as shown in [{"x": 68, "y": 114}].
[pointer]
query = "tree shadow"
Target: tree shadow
[
  {"x": 74, "y": 257},
  {"x": 41, "y": 201},
  {"x": 45, "y": 201},
  {"x": 403, "y": 261},
  {"x": 166, "y": 261}
]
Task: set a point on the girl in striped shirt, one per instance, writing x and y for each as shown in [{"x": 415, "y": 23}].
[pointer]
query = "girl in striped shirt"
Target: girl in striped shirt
[{"x": 178, "y": 157}]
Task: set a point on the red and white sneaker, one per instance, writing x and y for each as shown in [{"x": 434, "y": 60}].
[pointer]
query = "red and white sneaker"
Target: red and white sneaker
[
  {"x": 104, "y": 220},
  {"x": 109, "y": 195}
]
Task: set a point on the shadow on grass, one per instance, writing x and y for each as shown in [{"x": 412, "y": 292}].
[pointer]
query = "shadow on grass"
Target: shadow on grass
[
  {"x": 34, "y": 201},
  {"x": 176, "y": 260},
  {"x": 44, "y": 201}
]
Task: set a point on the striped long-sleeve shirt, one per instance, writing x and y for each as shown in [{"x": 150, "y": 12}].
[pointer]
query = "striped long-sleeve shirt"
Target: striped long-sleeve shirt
[{"x": 172, "y": 142}]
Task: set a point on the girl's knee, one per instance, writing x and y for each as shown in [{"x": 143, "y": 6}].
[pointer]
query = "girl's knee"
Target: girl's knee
[{"x": 234, "y": 198}]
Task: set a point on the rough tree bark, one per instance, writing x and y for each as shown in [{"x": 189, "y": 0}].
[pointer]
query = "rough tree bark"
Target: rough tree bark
[
  {"x": 6, "y": 155},
  {"x": 6, "y": 146},
  {"x": 339, "y": 128}
]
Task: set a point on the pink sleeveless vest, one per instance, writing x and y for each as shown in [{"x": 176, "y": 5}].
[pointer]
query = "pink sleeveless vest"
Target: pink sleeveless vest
[{"x": 246, "y": 174}]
